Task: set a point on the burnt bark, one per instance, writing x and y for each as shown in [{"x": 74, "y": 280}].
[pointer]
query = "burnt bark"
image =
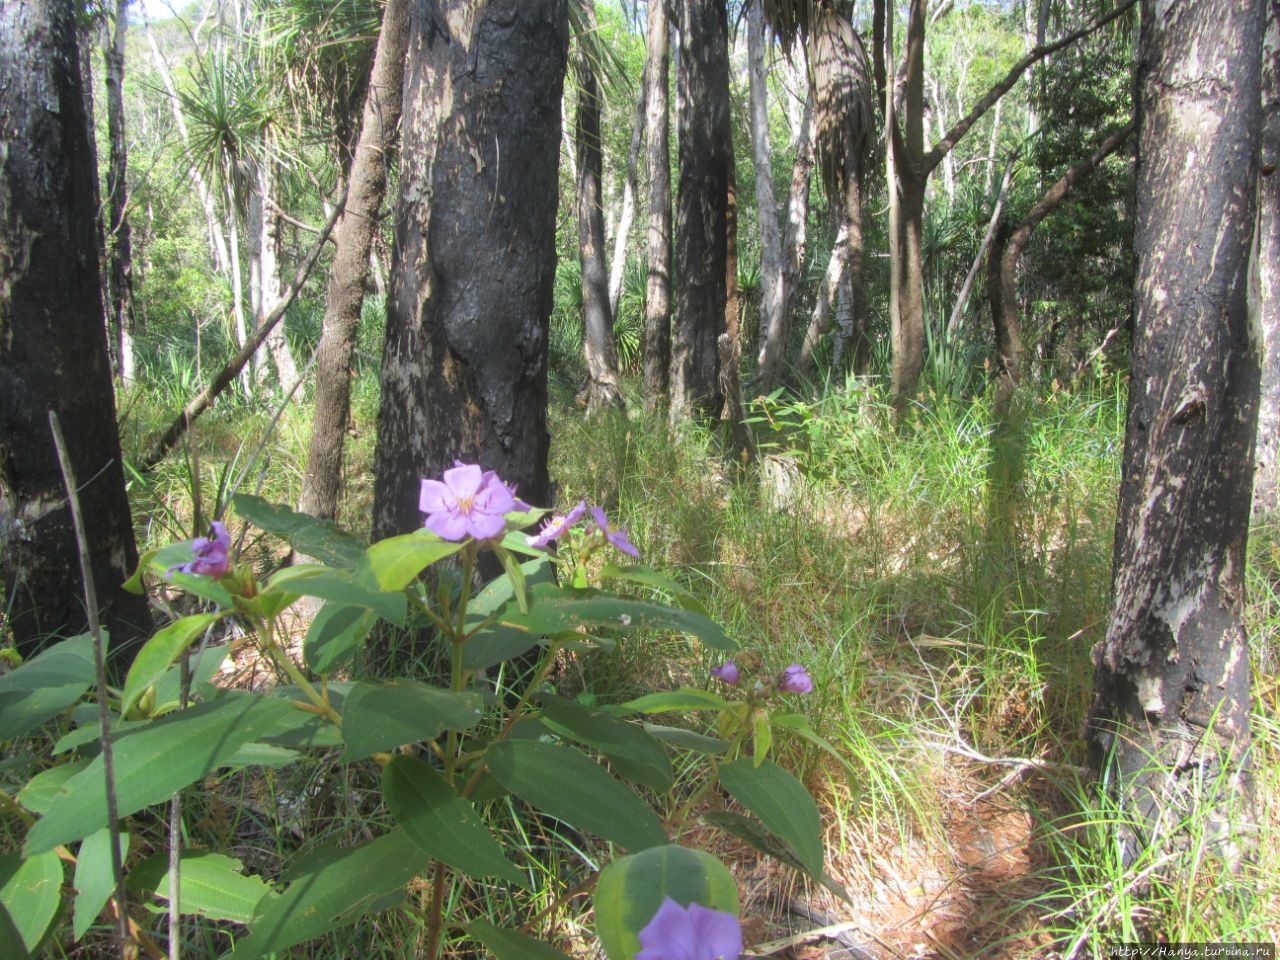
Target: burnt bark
[
  {"x": 465, "y": 360},
  {"x": 602, "y": 388},
  {"x": 1169, "y": 725},
  {"x": 353, "y": 241},
  {"x": 705, "y": 155},
  {"x": 53, "y": 345},
  {"x": 657, "y": 124}
]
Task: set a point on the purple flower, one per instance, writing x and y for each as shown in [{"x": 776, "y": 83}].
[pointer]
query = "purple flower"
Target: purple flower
[
  {"x": 212, "y": 554},
  {"x": 467, "y": 501},
  {"x": 615, "y": 535},
  {"x": 727, "y": 672},
  {"x": 557, "y": 526},
  {"x": 696, "y": 933},
  {"x": 795, "y": 679}
]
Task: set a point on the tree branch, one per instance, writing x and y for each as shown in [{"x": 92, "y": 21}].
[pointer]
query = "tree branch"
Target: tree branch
[
  {"x": 962, "y": 126},
  {"x": 228, "y": 373}
]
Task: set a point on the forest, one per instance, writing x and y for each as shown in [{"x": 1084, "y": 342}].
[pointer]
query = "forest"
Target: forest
[{"x": 639, "y": 479}]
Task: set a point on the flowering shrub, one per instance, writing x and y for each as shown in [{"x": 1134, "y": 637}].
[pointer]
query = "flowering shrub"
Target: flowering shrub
[{"x": 590, "y": 767}]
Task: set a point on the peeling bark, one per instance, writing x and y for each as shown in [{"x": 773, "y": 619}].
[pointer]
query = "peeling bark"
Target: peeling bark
[
  {"x": 464, "y": 373},
  {"x": 657, "y": 123},
  {"x": 1169, "y": 725},
  {"x": 1266, "y": 490},
  {"x": 53, "y": 345}
]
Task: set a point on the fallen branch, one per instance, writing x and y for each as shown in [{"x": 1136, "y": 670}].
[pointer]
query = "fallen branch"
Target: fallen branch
[{"x": 197, "y": 406}]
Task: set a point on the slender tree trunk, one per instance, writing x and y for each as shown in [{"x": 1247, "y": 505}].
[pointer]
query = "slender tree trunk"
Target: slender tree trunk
[
  {"x": 822, "y": 308},
  {"x": 599, "y": 350},
  {"x": 617, "y": 266},
  {"x": 773, "y": 276},
  {"x": 657, "y": 123},
  {"x": 264, "y": 234},
  {"x": 705, "y": 145},
  {"x": 1002, "y": 282},
  {"x": 464, "y": 373},
  {"x": 794, "y": 244},
  {"x": 353, "y": 254},
  {"x": 119, "y": 246},
  {"x": 1169, "y": 726},
  {"x": 1266, "y": 490},
  {"x": 53, "y": 346}
]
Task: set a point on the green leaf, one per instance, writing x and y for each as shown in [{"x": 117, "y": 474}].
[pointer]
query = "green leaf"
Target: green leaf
[
  {"x": 205, "y": 664},
  {"x": 554, "y": 610},
  {"x": 561, "y": 782},
  {"x": 203, "y": 587},
  {"x": 45, "y": 685},
  {"x": 310, "y": 536},
  {"x": 336, "y": 892},
  {"x": 761, "y": 738},
  {"x": 688, "y": 739},
  {"x": 651, "y": 578},
  {"x": 384, "y": 715},
  {"x": 158, "y": 654},
  {"x": 31, "y": 891},
  {"x": 210, "y": 885},
  {"x": 94, "y": 880},
  {"x": 340, "y": 587},
  {"x": 262, "y": 755},
  {"x": 334, "y": 635},
  {"x": 753, "y": 833},
  {"x": 782, "y": 804},
  {"x": 674, "y": 701},
  {"x": 515, "y": 574},
  {"x": 631, "y": 889},
  {"x": 153, "y": 763},
  {"x": 497, "y": 643},
  {"x": 799, "y": 725},
  {"x": 443, "y": 824},
  {"x": 510, "y": 945},
  {"x": 42, "y": 789},
  {"x": 11, "y": 945},
  {"x": 396, "y": 562},
  {"x": 633, "y": 753}
]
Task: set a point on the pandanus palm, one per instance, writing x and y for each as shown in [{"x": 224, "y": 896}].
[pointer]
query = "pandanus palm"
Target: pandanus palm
[{"x": 842, "y": 88}]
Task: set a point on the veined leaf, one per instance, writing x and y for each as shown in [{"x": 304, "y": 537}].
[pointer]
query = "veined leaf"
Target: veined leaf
[
  {"x": 153, "y": 763},
  {"x": 210, "y": 885},
  {"x": 31, "y": 891},
  {"x": 677, "y": 701},
  {"x": 782, "y": 804},
  {"x": 631, "y": 889},
  {"x": 342, "y": 587},
  {"x": 45, "y": 685},
  {"x": 385, "y": 715},
  {"x": 310, "y": 536},
  {"x": 635, "y": 754},
  {"x": 443, "y": 824},
  {"x": 396, "y": 561},
  {"x": 94, "y": 879},
  {"x": 338, "y": 891},
  {"x": 563, "y": 783},
  {"x": 159, "y": 653},
  {"x": 334, "y": 635}
]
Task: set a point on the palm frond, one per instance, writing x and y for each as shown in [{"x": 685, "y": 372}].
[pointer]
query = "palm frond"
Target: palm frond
[{"x": 843, "y": 101}]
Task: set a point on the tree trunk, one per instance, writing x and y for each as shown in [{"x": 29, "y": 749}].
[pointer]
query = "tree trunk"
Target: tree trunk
[
  {"x": 1266, "y": 492},
  {"x": 825, "y": 302},
  {"x": 617, "y": 266},
  {"x": 262, "y": 226},
  {"x": 353, "y": 243},
  {"x": 53, "y": 345},
  {"x": 657, "y": 123},
  {"x": 1169, "y": 725},
  {"x": 119, "y": 246},
  {"x": 1002, "y": 280},
  {"x": 705, "y": 153},
  {"x": 464, "y": 373},
  {"x": 773, "y": 330},
  {"x": 794, "y": 247},
  {"x": 599, "y": 350}
]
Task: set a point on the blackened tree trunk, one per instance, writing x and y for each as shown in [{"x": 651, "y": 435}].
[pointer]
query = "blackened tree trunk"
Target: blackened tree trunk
[
  {"x": 601, "y": 354},
  {"x": 705, "y": 153},
  {"x": 53, "y": 345},
  {"x": 119, "y": 243},
  {"x": 1266, "y": 491},
  {"x": 464, "y": 372},
  {"x": 1170, "y": 720},
  {"x": 657, "y": 123},
  {"x": 353, "y": 240}
]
